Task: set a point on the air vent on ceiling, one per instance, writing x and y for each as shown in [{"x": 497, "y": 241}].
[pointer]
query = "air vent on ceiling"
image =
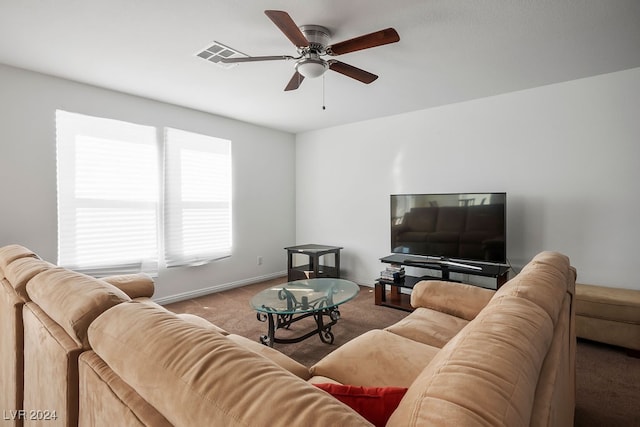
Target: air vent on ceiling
[{"x": 217, "y": 51}]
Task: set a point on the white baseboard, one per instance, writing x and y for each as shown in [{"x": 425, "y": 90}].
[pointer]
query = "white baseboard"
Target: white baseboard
[{"x": 217, "y": 288}]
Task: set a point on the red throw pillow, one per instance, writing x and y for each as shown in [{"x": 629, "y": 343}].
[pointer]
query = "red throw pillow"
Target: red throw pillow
[{"x": 375, "y": 404}]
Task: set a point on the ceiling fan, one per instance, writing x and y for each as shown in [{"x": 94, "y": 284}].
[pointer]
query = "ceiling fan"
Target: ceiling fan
[{"x": 312, "y": 43}]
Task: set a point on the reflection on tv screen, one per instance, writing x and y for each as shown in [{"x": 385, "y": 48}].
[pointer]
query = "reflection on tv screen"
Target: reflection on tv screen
[{"x": 464, "y": 226}]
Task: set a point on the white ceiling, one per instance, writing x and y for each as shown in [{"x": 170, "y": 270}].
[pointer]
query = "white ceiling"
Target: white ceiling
[{"x": 449, "y": 51}]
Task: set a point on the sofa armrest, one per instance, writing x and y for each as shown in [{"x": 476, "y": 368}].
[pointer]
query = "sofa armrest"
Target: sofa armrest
[
  {"x": 457, "y": 299},
  {"x": 134, "y": 285}
]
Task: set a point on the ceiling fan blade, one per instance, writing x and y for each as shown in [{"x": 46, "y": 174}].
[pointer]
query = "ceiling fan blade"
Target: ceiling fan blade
[
  {"x": 255, "y": 59},
  {"x": 295, "y": 82},
  {"x": 353, "y": 72},
  {"x": 288, "y": 27},
  {"x": 367, "y": 41}
]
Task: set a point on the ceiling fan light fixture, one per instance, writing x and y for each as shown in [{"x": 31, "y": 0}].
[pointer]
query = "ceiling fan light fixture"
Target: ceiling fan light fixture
[{"x": 311, "y": 67}]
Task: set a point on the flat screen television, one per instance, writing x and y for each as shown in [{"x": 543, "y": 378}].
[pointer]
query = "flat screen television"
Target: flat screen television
[{"x": 455, "y": 226}]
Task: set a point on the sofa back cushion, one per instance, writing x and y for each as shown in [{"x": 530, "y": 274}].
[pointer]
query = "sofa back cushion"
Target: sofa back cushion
[
  {"x": 135, "y": 285},
  {"x": 544, "y": 281},
  {"x": 486, "y": 375},
  {"x": 10, "y": 253},
  {"x": 457, "y": 299},
  {"x": 190, "y": 374},
  {"x": 22, "y": 270},
  {"x": 73, "y": 300},
  {"x": 427, "y": 326}
]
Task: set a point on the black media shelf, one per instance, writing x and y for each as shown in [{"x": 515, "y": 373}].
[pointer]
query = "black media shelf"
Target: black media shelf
[{"x": 394, "y": 297}]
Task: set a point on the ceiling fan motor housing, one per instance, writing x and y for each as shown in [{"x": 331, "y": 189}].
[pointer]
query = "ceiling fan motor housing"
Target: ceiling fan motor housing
[
  {"x": 312, "y": 65},
  {"x": 318, "y": 37}
]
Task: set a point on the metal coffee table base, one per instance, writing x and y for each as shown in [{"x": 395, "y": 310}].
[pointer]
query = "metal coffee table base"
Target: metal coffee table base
[
  {"x": 283, "y": 305},
  {"x": 278, "y": 321}
]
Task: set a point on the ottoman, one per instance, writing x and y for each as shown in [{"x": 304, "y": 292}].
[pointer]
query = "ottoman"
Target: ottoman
[{"x": 609, "y": 315}]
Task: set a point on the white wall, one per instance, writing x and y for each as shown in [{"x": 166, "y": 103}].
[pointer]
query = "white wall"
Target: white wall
[
  {"x": 567, "y": 155},
  {"x": 263, "y": 176}
]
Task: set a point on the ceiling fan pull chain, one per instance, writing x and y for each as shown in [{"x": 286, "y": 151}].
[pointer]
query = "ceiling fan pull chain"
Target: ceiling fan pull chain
[{"x": 323, "y": 103}]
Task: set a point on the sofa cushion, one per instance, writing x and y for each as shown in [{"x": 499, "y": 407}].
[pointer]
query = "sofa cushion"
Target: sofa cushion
[
  {"x": 318, "y": 379},
  {"x": 366, "y": 360},
  {"x": 458, "y": 299},
  {"x": 73, "y": 300},
  {"x": 375, "y": 404},
  {"x": 20, "y": 271},
  {"x": 428, "y": 327},
  {"x": 190, "y": 374},
  {"x": 194, "y": 319},
  {"x": 273, "y": 355},
  {"x": 487, "y": 374},
  {"x": 104, "y": 397},
  {"x": 543, "y": 281},
  {"x": 138, "y": 285},
  {"x": 10, "y": 253}
]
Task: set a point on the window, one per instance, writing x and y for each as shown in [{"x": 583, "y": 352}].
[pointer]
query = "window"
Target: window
[
  {"x": 197, "y": 208},
  {"x": 118, "y": 210}
]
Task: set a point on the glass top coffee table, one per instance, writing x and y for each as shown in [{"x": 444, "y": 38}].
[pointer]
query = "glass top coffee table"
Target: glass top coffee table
[{"x": 288, "y": 303}]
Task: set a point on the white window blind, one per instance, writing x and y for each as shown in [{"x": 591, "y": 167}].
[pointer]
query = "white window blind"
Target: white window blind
[
  {"x": 197, "y": 206},
  {"x": 107, "y": 195}
]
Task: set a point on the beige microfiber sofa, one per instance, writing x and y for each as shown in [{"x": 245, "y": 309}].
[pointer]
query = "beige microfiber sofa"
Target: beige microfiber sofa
[
  {"x": 45, "y": 313},
  {"x": 475, "y": 357},
  {"x": 12, "y": 298},
  {"x": 468, "y": 356}
]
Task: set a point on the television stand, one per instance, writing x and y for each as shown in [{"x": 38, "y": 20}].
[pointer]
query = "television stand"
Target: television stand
[{"x": 389, "y": 292}]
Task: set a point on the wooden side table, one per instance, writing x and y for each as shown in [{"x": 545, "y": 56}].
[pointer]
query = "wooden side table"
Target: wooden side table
[{"x": 314, "y": 268}]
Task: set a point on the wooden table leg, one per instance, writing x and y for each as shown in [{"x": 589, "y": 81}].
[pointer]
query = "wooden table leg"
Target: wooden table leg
[{"x": 380, "y": 291}]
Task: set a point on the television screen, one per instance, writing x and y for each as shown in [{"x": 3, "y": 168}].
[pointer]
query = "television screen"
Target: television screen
[{"x": 462, "y": 226}]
